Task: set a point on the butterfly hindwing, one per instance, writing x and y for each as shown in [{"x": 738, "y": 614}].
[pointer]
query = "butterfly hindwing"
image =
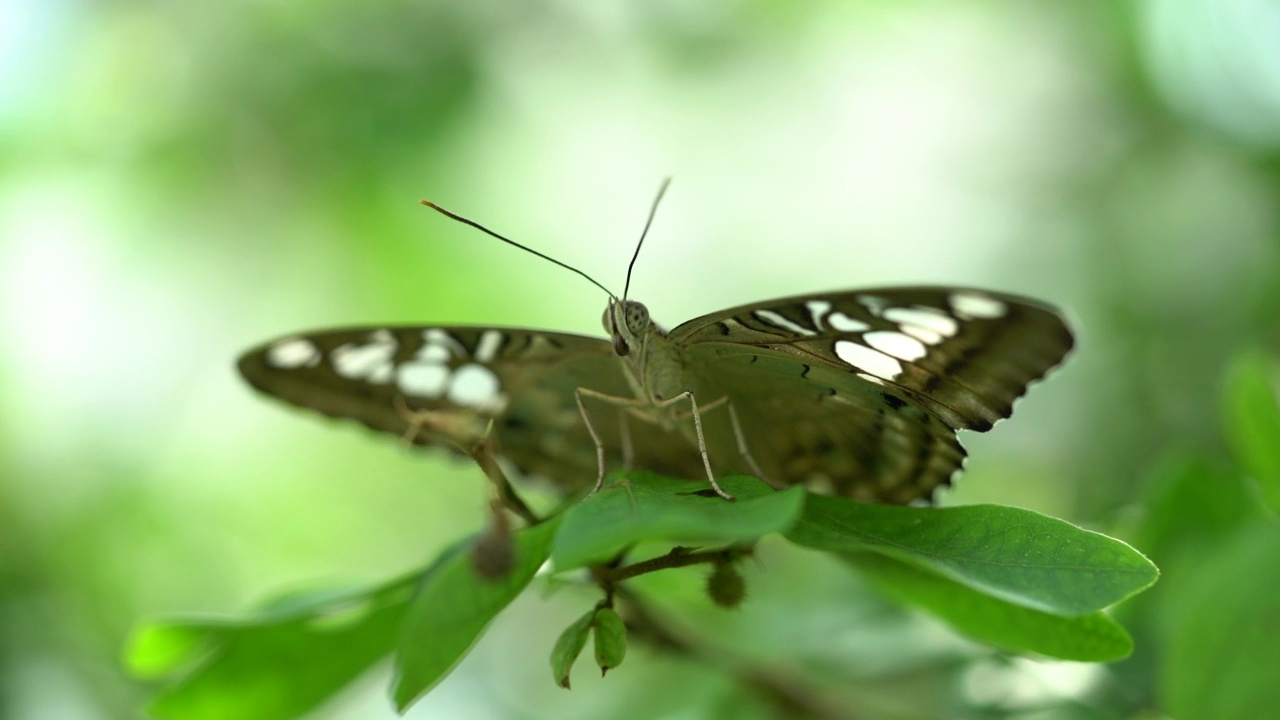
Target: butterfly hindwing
[{"x": 807, "y": 423}]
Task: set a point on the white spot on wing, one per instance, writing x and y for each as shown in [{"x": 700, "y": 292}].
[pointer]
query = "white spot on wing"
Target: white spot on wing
[
  {"x": 844, "y": 323},
  {"x": 424, "y": 379},
  {"x": 977, "y": 305},
  {"x": 381, "y": 374},
  {"x": 871, "y": 378},
  {"x": 923, "y": 334},
  {"x": 868, "y": 360},
  {"x": 873, "y": 303},
  {"x": 439, "y": 346},
  {"x": 437, "y": 336},
  {"x": 928, "y": 325},
  {"x": 293, "y": 353},
  {"x": 817, "y": 309},
  {"x": 438, "y": 354},
  {"x": 487, "y": 348},
  {"x": 371, "y": 362},
  {"x": 774, "y": 318},
  {"x": 475, "y": 386},
  {"x": 903, "y": 347}
]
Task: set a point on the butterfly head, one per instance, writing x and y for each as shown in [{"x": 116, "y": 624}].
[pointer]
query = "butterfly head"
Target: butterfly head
[{"x": 626, "y": 321}]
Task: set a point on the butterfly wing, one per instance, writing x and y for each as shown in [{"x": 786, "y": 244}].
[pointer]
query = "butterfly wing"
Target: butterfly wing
[
  {"x": 521, "y": 381},
  {"x": 887, "y": 376}
]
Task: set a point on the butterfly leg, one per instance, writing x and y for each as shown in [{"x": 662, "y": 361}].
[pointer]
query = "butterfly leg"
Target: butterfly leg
[
  {"x": 463, "y": 430},
  {"x": 470, "y": 433},
  {"x": 739, "y": 438},
  {"x": 627, "y": 403},
  {"x": 702, "y": 443},
  {"x": 621, "y": 403},
  {"x": 624, "y": 431}
]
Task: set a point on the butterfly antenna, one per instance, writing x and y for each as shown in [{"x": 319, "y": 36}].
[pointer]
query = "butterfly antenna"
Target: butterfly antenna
[
  {"x": 509, "y": 241},
  {"x": 653, "y": 210}
]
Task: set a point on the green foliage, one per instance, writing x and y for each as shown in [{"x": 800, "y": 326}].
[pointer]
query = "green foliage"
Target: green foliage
[
  {"x": 1017, "y": 555},
  {"x": 1011, "y": 578},
  {"x": 451, "y": 609},
  {"x": 1208, "y": 634},
  {"x": 1253, "y": 420},
  {"x": 610, "y": 639},
  {"x": 276, "y": 664},
  {"x": 568, "y": 647},
  {"x": 665, "y": 509},
  {"x": 1221, "y": 624},
  {"x": 1093, "y": 637}
]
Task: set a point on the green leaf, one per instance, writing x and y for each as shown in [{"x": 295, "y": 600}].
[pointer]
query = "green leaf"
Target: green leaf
[
  {"x": 568, "y": 647},
  {"x": 1253, "y": 420},
  {"x": 1221, "y": 623},
  {"x": 453, "y": 606},
  {"x": 1087, "y": 638},
  {"x": 161, "y": 649},
  {"x": 643, "y": 506},
  {"x": 276, "y": 665},
  {"x": 610, "y": 639},
  {"x": 1191, "y": 505},
  {"x": 1017, "y": 555}
]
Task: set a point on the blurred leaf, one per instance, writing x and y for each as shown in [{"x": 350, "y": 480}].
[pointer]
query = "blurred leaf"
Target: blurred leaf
[
  {"x": 453, "y": 606},
  {"x": 643, "y": 506},
  {"x": 278, "y": 665},
  {"x": 1253, "y": 420},
  {"x": 161, "y": 649},
  {"x": 568, "y": 647},
  {"x": 610, "y": 639},
  {"x": 1018, "y": 555},
  {"x": 1191, "y": 505},
  {"x": 738, "y": 705},
  {"x": 1221, "y": 627},
  {"x": 1087, "y": 638}
]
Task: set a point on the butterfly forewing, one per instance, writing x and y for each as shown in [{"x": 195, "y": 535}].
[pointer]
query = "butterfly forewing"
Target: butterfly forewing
[
  {"x": 519, "y": 382},
  {"x": 964, "y": 354},
  {"x": 863, "y": 391}
]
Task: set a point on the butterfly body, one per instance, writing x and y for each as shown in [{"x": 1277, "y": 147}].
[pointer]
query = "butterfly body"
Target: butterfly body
[{"x": 860, "y": 392}]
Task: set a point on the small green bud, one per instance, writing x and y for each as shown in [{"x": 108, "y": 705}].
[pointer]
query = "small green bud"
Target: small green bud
[
  {"x": 725, "y": 586},
  {"x": 611, "y": 639}
]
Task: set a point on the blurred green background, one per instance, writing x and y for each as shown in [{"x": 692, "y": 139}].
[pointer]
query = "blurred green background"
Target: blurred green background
[{"x": 182, "y": 180}]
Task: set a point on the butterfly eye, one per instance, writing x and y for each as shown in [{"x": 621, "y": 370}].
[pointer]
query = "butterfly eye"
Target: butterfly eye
[{"x": 637, "y": 317}]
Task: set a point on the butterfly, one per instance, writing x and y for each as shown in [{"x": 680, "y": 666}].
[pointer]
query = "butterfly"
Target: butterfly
[{"x": 858, "y": 393}]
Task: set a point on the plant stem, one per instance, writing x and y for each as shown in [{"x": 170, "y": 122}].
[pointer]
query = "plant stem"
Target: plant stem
[
  {"x": 484, "y": 457},
  {"x": 674, "y": 559}
]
